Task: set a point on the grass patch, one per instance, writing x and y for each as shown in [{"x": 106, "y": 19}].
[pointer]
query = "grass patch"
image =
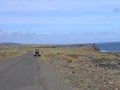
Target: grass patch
[
  {"x": 78, "y": 68},
  {"x": 7, "y": 52}
]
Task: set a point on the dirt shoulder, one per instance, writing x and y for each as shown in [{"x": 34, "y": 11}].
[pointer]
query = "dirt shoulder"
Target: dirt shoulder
[
  {"x": 87, "y": 69},
  {"x": 50, "y": 79}
]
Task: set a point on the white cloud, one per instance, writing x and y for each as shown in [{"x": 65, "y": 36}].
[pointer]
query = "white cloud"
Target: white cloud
[
  {"x": 55, "y": 38},
  {"x": 93, "y": 15},
  {"x": 20, "y": 5},
  {"x": 59, "y": 20},
  {"x": 10, "y": 10}
]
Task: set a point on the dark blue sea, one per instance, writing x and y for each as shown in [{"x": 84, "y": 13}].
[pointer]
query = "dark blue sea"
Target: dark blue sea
[
  {"x": 109, "y": 47},
  {"x": 104, "y": 47}
]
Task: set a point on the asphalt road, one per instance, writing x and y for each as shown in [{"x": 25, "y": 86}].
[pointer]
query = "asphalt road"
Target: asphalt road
[{"x": 29, "y": 73}]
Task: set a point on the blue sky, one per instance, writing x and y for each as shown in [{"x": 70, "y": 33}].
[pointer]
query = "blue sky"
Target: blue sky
[{"x": 59, "y": 21}]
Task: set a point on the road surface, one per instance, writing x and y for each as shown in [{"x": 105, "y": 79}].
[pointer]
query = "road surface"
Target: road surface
[{"x": 28, "y": 73}]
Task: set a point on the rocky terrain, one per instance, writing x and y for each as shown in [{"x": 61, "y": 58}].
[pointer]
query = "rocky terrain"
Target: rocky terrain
[
  {"x": 83, "y": 67},
  {"x": 86, "y": 68}
]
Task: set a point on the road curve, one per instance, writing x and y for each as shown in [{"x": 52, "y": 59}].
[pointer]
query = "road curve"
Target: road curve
[{"x": 28, "y": 73}]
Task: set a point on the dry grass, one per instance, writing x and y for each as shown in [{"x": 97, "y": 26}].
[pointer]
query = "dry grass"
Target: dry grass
[
  {"x": 80, "y": 67},
  {"x": 7, "y": 52},
  {"x": 84, "y": 67}
]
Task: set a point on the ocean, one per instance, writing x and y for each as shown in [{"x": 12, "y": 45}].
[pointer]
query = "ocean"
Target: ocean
[
  {"x": 109, "y": 47},
  {"x": 104, "y": 47}
]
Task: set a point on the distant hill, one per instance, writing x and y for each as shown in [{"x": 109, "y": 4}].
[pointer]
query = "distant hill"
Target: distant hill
[{"x": 9, "y": 43}]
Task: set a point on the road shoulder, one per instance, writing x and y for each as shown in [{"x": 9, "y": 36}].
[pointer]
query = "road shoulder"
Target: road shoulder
[{"x": 50, "y": 78}]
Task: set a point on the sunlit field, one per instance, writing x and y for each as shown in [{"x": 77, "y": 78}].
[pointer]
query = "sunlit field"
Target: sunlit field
[
  {"x": 82, "y": 66},
  {"x": 86, "y": 68}
]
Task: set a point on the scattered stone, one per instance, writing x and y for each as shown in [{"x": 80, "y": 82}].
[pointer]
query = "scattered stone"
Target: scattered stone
[
  {"x": 110, "y": 82},
  {"x": 116, "y": 88}
]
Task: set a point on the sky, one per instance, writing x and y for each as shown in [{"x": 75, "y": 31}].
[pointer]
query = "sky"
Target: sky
[{"x": 59, "y": 21}]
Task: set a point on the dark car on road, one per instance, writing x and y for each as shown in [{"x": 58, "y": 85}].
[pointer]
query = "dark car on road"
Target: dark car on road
[{"x": 37, "y": 53}]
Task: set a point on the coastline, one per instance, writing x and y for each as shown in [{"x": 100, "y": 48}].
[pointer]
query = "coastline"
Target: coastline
[
  {"x": 83, "y": 66},
  {"x": 86, "y": 68}
]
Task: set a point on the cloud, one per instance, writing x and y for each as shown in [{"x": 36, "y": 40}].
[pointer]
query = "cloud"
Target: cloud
[
  {"x": 1, "y": 30},
  {"x": 17, "y": 37},
  {"x": 58, "y": 11},
  {"x": 116, "y": 10},
  {"x": 58, "y": 20},
  {"x": 28, "y": 5},
  {"x": 59, "y": 15},
  {"x": 58, "y": 38}
]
